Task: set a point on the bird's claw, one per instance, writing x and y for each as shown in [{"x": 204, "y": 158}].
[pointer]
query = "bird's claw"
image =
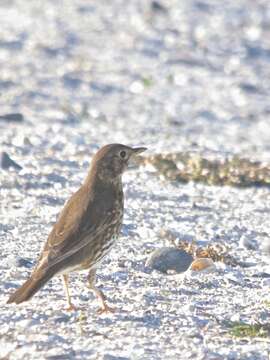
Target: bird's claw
[
  {"x": 71, "y": 307},
  {"x": 106, "y": 309}
]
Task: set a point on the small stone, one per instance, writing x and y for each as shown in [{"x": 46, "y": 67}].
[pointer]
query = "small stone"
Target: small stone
[
  {"x": 158, "y": 7},
  {"x": 262, "y": 275},
  {"x": 169, "y": 259},
  {"x": 247, "y": 241},
  {"x": 21, "y": 262},
  {"x": 6, "y": 162},
  {"x": 53, "y": 177},
  {"x": 12, "y": 117},
  {"x": 60, "y": 357},
  {"x": 201, "y": 264},
  {"x": 62, "y": 319},
  {"x": 112, "y": 357}
]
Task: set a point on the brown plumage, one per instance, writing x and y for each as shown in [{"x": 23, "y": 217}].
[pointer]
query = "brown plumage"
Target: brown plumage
[{"x": 87, "y": 226}]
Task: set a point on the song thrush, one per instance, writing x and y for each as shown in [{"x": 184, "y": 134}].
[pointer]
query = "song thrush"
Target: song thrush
[{"x": 87, "y": 226}]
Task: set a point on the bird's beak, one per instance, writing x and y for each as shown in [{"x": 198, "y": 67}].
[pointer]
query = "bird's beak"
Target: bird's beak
[
  {"x": 133, "y": 156},
  {"x": 139, "y": 150}
]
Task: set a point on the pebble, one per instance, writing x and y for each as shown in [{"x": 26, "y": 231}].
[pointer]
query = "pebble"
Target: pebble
[
  {"x": 169, "y": 259},
  {"x": 158, "y": 7},
  {"x": 262, "y": 275},
  {"x": 112, "y": 357},
  {"x": 248, "y": 242},
  {"x": 202, "y": 264},
  {"x": 12, "y": 117},
  {"x": 6, "y": 162},
  {"x": 21, "y": 262}
]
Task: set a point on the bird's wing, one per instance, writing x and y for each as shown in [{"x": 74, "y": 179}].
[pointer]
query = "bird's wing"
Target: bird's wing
[{"x": 72, "y": 230}]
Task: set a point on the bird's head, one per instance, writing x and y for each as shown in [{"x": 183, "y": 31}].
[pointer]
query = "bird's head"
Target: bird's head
[{"x": 111, "y": 161}]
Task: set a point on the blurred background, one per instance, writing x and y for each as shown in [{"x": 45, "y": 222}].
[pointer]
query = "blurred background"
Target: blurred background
[{"x": 189, "y": 74}]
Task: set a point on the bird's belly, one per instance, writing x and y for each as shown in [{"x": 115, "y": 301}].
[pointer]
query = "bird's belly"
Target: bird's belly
[
  {"x": 93, "y": 260},
  {"x": 69, "y": 269},
  {"x": 100, "y": 255}
]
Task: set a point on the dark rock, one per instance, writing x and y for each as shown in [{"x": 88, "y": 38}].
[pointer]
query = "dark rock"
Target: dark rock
[
  {"x": 86, "y": 9},
  {"x": 158, "y": 7},
  {"x": 208, "y": 115},
  {"x": 63, "y": 356},
  {"x": 201, "y": 6},
  {"x": 256, "y": 52},
  {"x": 63, "y": 319},
  {"x": 105, "y": 89},
  {"x": 11, "y": 45},
  {"x": 5, "y": 228},
  {"x": 12, "y": 117},
  {"x": 21, "y": 262},
  {"x": 248, "y": 241},
  {"x": 112, "y": 357},
  {"x": 249, "y": 88},
  {"x": 6, "y": 162},
  {"x": 71, "y": 81},
  {"x": 10, "y": 285},
  {"x": 53, "y": 177},
  {"x": 6, "y": 84},
  {"x": 262, "y": 275},
  {"x": 169, "y": 259}
]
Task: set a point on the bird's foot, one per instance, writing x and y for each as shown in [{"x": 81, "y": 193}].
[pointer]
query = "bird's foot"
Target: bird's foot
[
  {"x": 71, "y": 307},
  {"x": 105, "y": 309}
]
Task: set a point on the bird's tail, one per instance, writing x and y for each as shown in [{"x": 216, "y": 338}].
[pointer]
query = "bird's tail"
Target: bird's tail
[{"x": 29, "y": 288}]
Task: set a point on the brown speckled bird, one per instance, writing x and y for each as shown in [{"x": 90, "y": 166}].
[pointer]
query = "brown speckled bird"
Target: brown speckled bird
[{"x": 87, "y": 226}]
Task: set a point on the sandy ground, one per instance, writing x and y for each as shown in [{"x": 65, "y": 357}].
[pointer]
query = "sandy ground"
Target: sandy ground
[{"x": 184, "y": 75}]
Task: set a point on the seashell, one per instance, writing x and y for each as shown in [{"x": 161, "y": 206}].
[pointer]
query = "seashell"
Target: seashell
[{"x": 201, "y": 264}]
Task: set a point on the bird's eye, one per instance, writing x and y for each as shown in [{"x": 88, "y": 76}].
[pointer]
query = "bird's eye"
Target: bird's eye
[{"x": 123, "y": 154}]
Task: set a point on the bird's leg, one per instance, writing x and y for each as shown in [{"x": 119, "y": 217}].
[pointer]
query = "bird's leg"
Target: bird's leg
[
  {"x": 105, "y": 308},
  {"x": 70, "y": 307}
]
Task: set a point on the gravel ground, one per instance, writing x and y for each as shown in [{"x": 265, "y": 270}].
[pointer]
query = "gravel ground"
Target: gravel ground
[{"x": 176, "y": 75}]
